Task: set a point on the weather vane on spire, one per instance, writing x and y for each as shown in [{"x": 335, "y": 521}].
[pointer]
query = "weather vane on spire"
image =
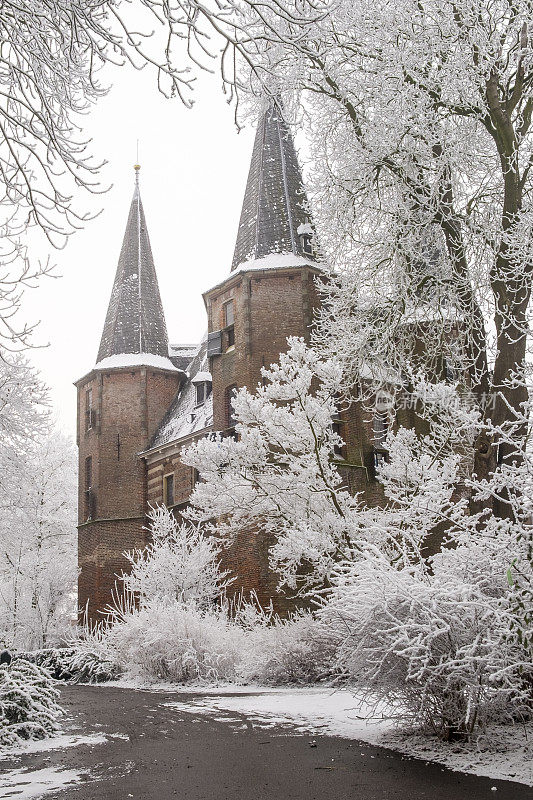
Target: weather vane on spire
[{"x": 137, "y": 166}]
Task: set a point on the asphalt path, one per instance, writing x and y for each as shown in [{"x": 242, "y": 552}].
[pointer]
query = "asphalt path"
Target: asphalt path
[{"x": 155, "y": 752}]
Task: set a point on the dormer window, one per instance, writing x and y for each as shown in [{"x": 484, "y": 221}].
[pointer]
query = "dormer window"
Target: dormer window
[
  {"x": 203, "y": 384},
  {"x": 305, "y": 232}
]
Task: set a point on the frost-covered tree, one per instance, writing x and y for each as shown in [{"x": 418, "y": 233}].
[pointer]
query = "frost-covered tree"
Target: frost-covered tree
[
  {"x": 52, "y": 69},
  {"x": 418, "y": 121},
  {"x": 447, "y": 636},
  {"x": 180, "y": 563},
  {"x": 37, "y": 513},
  {"x": 280, "y": 470}
]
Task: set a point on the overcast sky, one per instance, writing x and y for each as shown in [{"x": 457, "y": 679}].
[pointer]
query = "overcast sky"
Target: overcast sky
[{"x": 194, "y": 166}]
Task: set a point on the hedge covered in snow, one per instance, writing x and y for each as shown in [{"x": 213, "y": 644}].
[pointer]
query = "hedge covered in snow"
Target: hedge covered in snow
[{"x": 28, "y": 702}]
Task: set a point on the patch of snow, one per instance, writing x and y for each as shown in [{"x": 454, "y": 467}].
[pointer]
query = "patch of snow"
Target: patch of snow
[
  {"x": 27, "y": 784},
  {"x": 272, "y": 261},
  {"x": 305, "y": 228},
  {"x": 332, "y": 713},
  {"x": 203, "y": 377},
  {"x": 433, "y": 314},
  {"x": 137, "y": 360},
  {"x": 505, "y": 753},
  {"x": 54, "y": 743},
  {"x": 185, "y": 417}
]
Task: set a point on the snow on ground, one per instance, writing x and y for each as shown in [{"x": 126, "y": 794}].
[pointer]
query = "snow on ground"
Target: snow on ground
[
  {"x": 26, "y": 784},
  {"x": 59, "y": 742},
  {"x": 506, "y": 752}
]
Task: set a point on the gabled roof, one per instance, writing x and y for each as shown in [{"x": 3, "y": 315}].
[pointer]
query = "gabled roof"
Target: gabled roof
[
  {"x": 135, "y": 322},
  {"x": 275, "y": 204}
]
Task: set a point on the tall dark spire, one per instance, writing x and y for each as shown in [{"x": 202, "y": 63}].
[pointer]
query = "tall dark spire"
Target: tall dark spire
[
  {"x": 274, "y": 213},
  {"x": 135, "y": 322}
]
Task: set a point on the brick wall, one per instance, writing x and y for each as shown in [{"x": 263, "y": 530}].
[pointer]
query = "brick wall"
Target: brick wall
[
  {"x": 269, "y": 306},
  {"x": 128, "y": 406}
]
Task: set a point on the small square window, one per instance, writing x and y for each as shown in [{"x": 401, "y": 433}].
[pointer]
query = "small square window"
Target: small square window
[{"x": 380, "y": 458}]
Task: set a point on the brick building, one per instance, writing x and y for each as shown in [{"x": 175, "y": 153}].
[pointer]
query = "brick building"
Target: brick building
[{"x": 146, "y": 400}]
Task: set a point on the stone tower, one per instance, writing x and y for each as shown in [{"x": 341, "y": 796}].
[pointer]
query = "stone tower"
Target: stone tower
[
  {"x": 120, "y": 405},
  {"x": 269, "y": 294}
]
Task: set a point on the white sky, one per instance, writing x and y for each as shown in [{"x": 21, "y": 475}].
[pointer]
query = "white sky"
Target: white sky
[{"x": 194, "y": 166}]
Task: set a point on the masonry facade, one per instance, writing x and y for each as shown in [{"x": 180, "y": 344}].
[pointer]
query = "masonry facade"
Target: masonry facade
[{"x": 145, "y": 400}]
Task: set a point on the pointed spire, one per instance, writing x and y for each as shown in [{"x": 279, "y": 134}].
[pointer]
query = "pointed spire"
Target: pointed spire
[
  {"x": 274, "y": 212},
  {"x": 135, "y": 322}
]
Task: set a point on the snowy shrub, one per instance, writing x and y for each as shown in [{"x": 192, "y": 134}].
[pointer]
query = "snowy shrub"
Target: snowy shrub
[
  {"x": 28, "y": 702},
  {"x": 180, "y": 563},
  {"x": 434, "y": 642},
  {"x": 92, "y": 665},
  {"x": 89, "y": 661},
  {"x": 177, "y": 641},
  {"x": 56, "y": 660},
  {"x": 296, "y": 650}
]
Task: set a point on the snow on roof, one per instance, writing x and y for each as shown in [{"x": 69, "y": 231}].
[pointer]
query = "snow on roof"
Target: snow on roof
[
  {"x": 185, "y": 416},
  {"x": 136, "y": 360},
  {"x": 272, "y": 262},
  {"x": 183, "y": 349},
  {"x": 202, "y": 377}
]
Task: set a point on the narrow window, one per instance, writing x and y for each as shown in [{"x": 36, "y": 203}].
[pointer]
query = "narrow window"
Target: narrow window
[
  {"x": 90, "y": 500},
  {"x": 229, "y": 394},
  {"x": 169, "y": 490},
  {"x": 229, "y": 323},
  {"x": 88, "y": 473},
  {"x": 307, "y": 244},
  {"x": 339, "y": 449},
  {"x": 229, "y": 318},
  {"x": 380, "y": 429},
  {"x": 89, "y": 411},
  {"x": 200, "y": 393}
]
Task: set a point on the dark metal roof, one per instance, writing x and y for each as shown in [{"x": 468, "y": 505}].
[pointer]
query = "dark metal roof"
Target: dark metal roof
[
  {"x": 275, "y": 204},
  {"x": 135, "y": 322}
]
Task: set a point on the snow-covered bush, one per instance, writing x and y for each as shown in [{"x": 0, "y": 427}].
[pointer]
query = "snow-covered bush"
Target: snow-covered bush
[
  {"x": 432, "y": 640},
  {"x": 90, "y": 664},
  {"x": 55, "y": 660},
  {"x": 180, "y": 563},
  {"x": 177, "y": 641},
  {"x": 298, "y": 650},
  {"x": 88, "y": 661},
  {"x": 28, "y": 702}
]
